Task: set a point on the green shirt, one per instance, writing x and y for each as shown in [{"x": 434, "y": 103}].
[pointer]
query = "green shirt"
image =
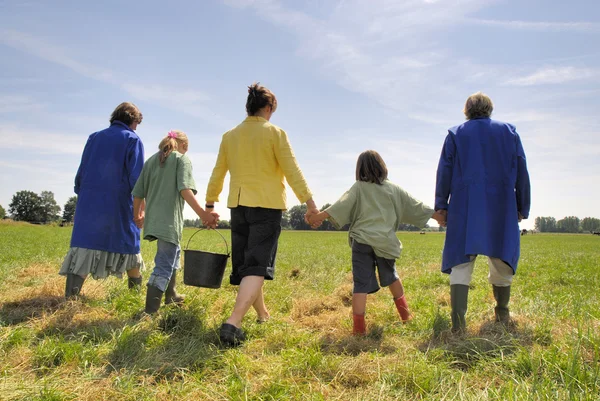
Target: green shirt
[
  {"x": 161, "y": 187},
  {"x": 374, "y": 212}
]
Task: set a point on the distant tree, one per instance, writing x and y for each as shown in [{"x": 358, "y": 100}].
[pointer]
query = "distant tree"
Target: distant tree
[
  {"x": 545, "y": 224},
  {"x": 69, "y": 209},
  {"x": 297, "y": 217},
  {"x": 224, "y": 224},
  {"x": 442, "y": 229},
  {"x": 569, "y": 224},
  {"x": 2, "y": 212},
  {"x": 49, "y": 209},
  {"x": 590, "y": 224},
  {"x": 26, "y": 206},
  {"x": 191, "y": 223},
  {"x": 407, "y": 227},
  {"x": 285, "y": 220}
]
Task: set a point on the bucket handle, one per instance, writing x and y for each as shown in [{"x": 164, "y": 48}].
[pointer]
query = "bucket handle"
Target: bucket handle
[{"x": 202, "y": 228}]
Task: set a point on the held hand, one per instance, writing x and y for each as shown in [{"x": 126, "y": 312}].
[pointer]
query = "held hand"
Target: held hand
[
  {"x": 210, "y": 219},
  {"x": 440, "y": 216},
  {"x": 139, "y": 221},
  {"x": 315, "y": 220},
  {"x": 310, "y": 212}
]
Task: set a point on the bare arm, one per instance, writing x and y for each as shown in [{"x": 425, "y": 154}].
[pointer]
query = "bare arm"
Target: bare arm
[{"x": 209, "y": 219}]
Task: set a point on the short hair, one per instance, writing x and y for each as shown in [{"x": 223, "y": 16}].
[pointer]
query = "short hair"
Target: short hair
[
  {"x": 478, "y": 105},
  {"x": 370, "y": 167},
  {"x": 259, "y": 97},
  {"x": 127, "y": 113}
]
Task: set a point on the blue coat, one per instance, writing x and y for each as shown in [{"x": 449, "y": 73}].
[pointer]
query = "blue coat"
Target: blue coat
[
  {"x": 111, "y": 164},
  {"x": 482, "y": 181}
]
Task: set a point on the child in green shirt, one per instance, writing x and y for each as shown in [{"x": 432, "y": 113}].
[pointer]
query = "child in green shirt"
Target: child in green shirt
[
  {"x": 159, "y": 195},
  {"x": 374, "y": 207}
]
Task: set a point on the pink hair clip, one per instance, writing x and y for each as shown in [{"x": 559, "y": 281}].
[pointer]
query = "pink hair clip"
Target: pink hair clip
[{"x": 172, "y": 134}]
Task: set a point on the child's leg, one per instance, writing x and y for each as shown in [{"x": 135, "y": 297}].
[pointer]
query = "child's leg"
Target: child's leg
[
  {"x": 365, "y": 282},
  {"x": 388, "y": 276},
  {"x": 164, "y": 263},
  {"x": 397, "y": 291}
]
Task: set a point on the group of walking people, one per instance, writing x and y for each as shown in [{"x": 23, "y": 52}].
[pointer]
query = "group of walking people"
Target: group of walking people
[{"x": 482, "y": 192}]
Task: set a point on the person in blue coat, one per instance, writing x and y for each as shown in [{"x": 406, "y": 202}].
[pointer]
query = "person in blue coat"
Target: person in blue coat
[
  {"x": 483, "y": 187},
  {"x": 105, "y": 239}
]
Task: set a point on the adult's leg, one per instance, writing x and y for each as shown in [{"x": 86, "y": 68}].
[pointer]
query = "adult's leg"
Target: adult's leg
[
  {"x": 460, "y": 278},
  {"x": 250, "y": 287},
  {"x": 260, "y": 307},
  {"x": 500, "y": 277}
]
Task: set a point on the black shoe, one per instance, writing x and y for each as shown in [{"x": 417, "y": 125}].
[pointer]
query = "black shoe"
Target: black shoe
[
  {"x": 134, "y": 282},
  {"x": 171, "y": 295},
  {"x": 231, "y": 336}
]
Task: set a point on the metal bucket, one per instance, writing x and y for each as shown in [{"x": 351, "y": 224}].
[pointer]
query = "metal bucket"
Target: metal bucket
[{"x": 204, "y": 269}]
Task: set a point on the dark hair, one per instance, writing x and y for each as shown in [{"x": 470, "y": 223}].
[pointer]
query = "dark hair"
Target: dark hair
[
  {"x": 259, "y": 97},
  {"x": 370, "y": 167},
  {"x": 127, "y": 113}
]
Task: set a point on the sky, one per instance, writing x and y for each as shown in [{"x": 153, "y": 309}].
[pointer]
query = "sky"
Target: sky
[{"x": 349, "y": 75}]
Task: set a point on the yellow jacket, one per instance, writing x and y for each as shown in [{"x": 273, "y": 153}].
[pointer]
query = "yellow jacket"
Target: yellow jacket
[{"x": 258, "y": 156}]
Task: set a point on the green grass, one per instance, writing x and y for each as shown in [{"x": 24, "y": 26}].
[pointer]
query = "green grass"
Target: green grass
[{"x": 100, "y": 348}]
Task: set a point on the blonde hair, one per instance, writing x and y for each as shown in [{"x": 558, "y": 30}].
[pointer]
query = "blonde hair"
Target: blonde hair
[
  {"x": 478, "y": 105},
  {"x": 175, "y": 140}
]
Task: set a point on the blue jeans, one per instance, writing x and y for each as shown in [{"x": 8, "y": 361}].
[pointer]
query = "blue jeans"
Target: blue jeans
[{"x": 165, "y": 262}]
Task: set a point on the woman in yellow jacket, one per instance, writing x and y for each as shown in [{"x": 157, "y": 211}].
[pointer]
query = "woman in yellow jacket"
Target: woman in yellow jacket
[{"x": 258, "y": 156}]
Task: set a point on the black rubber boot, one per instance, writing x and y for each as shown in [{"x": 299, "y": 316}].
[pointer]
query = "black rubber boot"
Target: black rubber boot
[
  {"x": 459, "y": 296},
  {"x": 73, "y": 285},
  {"x": 502, "y": 296},
  {"x": 171, "y": 295},
  {"x": 134, "y": 282},
  {"x": 153, "y": 299}
]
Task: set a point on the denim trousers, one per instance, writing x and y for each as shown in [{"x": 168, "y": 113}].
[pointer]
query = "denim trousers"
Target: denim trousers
[{"x": 165, "y": 262}]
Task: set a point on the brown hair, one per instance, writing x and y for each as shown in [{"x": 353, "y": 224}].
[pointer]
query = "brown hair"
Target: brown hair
[
  {"x": 478, "y": 105},
  {"x": 259, "y": 97},
  {"x": 127, "y": 113},
  {"x": 370, "y": 167},
  {"x": 175, "y": 140}
]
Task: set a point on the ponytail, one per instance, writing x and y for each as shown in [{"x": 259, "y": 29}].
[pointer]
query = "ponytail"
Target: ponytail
[
  {"x": 259, "y": 97},
  {"x": 175, "y": 140}
]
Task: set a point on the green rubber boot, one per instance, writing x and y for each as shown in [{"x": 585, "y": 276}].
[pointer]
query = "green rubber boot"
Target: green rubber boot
[
  {"x": 153, "y": 299},
  {"x": 502, "y": 296},
  {"x": 459, "y": 295}
]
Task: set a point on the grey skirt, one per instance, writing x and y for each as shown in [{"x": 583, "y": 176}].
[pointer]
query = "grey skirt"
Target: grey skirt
[{"x": 100, "y": 264}]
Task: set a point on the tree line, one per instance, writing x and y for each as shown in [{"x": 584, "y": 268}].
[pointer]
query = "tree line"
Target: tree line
[
  {"x": 42, "y": 209},
  {"x": 569, "y": 224}
]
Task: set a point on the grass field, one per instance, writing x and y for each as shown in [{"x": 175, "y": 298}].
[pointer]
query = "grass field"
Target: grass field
[{"x": 98, "y": 348}]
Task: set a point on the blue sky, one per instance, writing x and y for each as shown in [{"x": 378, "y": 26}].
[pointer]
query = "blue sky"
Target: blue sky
[{"x": 349, "y": 76}]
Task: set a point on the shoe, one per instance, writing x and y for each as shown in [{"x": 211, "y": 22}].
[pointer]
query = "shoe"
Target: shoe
[
  {"x": 134, "y": 282},
  {"x": 231, "y": 336},
  {"x": 459, "y": 296},
  {"x": 359, "y": 327},
  {"x": 153, "y": 299},
  {"x": 402, "y": 307},
  {"x": 501, "y": 312},
  {"x": 171, "y": 296},
  {"x": 73, "y": 285}
]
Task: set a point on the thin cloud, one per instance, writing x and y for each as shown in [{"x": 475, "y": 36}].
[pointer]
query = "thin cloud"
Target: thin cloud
[
  {"x": 554, "y": 75},
  {"x": 539, "y": 25},
  {"x": 191, "y": 102}
]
